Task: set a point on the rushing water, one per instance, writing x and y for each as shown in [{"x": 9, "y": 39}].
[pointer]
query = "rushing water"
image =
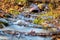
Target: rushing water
[
  {"x": 23, "y": 37},
  {"x": 14, "y": 26}
]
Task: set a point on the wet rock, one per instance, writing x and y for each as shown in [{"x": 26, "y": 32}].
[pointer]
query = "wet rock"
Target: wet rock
[
  {"x": 8, "y": 16},
  {"x": 1, "y": 26},
  {"x": 3, "y": 21}
]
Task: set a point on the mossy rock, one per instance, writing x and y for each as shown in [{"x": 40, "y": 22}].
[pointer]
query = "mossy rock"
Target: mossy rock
[
  {"x": 1, "y": 26},
  {"x": 3, "y": 21},
  {"x": 6, "y": 24}
]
